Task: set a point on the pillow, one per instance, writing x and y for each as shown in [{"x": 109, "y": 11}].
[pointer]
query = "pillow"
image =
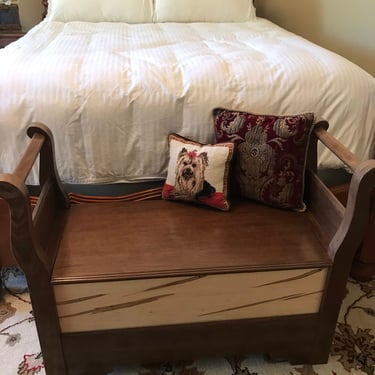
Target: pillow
[
  {"x": 271, "y": 155},
  {"x": 130, "y": 11},
  {"x": 204, "y": 10},
  {"x": 198, "y": 172}
]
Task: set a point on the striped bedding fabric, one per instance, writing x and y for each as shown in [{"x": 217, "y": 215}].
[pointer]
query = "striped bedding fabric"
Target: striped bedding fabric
[{"x": 112, "y": 92}]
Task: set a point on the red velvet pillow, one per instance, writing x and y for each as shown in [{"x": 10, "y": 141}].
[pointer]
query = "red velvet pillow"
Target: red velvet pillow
[{"x": 271, "y": 155}]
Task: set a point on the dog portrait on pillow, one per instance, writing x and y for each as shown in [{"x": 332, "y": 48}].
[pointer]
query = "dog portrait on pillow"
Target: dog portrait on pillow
[
  {"x": 198, "y": 172},
  {"x": 190, "y": 182}
]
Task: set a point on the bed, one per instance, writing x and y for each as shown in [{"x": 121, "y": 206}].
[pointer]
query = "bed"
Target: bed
[
  {"x": 126, "y": 86},
  {"x": 126, "y": 73}
]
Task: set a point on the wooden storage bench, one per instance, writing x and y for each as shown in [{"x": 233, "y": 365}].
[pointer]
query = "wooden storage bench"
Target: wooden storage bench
[{"x": 158, "y": 280}]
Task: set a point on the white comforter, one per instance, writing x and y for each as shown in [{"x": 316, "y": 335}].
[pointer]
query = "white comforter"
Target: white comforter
[{"x": 112, "y": 92}]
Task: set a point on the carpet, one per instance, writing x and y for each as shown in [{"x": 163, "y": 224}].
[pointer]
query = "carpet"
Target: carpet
[{"x": 353, "y": 349}]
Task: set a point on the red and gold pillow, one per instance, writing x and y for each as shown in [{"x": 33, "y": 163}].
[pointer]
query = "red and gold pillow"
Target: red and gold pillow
[
  {"x": 198, "y": 172},
  {"x": 271, "y": 155}
]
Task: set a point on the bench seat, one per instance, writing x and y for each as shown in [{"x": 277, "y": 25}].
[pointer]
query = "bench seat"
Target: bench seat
[
  {"x": 155, "y": 281},
  {"x": 117, "y": 268},
  {"x": 158, "y": 238}
]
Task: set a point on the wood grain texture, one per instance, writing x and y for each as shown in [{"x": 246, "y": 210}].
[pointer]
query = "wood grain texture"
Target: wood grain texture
[
  {"x": 178, "y": 300},
  {"x": 342, "y": 152},
  {"x": 36, "y": 256},
  {"x": 363, "y": 267},
  {"x": 6, "y": 255},
  {"x": 163, "y": 238},
  {"x": 324, "y": 206}
]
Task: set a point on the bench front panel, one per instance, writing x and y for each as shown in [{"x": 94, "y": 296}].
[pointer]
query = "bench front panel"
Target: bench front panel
[{"x": 190, "y": 299}]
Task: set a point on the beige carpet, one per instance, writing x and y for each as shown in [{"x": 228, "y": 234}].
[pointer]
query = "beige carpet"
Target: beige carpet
[{"x": 353, "y": 350}]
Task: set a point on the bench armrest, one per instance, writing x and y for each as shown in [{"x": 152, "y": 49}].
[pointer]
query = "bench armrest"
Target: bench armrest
[
  {"x": 348, "y": 226},
  {"x": 342, "y": 152},
  {"x": 38, "y": 227}
]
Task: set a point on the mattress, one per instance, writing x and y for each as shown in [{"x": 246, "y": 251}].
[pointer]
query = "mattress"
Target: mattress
[{"x": 112, "y": 92}]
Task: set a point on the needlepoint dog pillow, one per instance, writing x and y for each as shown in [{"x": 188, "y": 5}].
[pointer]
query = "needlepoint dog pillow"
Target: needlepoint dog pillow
[
  {"x": 270, "y": 156},
  {"x": 198, "y": 172}
]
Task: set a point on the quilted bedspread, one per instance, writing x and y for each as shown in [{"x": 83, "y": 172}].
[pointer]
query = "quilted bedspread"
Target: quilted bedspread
[{"x": 112, "y": 92}]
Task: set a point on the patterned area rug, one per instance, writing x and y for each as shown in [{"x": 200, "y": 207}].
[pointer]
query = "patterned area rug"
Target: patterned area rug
[{"x": 353, "y": 350}]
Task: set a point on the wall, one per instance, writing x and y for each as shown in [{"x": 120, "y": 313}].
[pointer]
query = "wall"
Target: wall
[
  {"x": 30, "y": 13},
  {"x": 346, "y": 27}
]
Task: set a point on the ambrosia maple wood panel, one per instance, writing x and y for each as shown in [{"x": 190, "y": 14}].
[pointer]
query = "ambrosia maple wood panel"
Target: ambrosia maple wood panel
[{"x": 177, "y": 300}]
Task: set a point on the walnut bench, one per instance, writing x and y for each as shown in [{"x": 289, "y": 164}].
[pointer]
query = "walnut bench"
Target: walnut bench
[{"x": 157, "y": 280}]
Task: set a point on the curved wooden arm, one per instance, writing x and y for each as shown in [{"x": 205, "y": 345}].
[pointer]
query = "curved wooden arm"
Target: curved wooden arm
[
  {"x": 28, "y": 159},
  {"x": 345, "y": 227},
  {"x": 47, "y": 163},
  {"x": 342, "y": 152},
  {"x": 14, "y": 192},
  {"x": 356, "y": 216},
  {"x": 34, "y": 234}
]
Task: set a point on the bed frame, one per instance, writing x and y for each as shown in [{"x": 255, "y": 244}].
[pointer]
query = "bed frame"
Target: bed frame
[{"x": 153, "y": 281}]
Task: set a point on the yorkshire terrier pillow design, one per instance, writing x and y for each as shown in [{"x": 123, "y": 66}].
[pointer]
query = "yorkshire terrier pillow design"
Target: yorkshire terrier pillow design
[
  {"x": 190, "y": 181},
  {"x": 198, "y": 172}
]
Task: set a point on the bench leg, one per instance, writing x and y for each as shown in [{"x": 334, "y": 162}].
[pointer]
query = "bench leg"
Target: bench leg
[{"x": 44, "y": 310}]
